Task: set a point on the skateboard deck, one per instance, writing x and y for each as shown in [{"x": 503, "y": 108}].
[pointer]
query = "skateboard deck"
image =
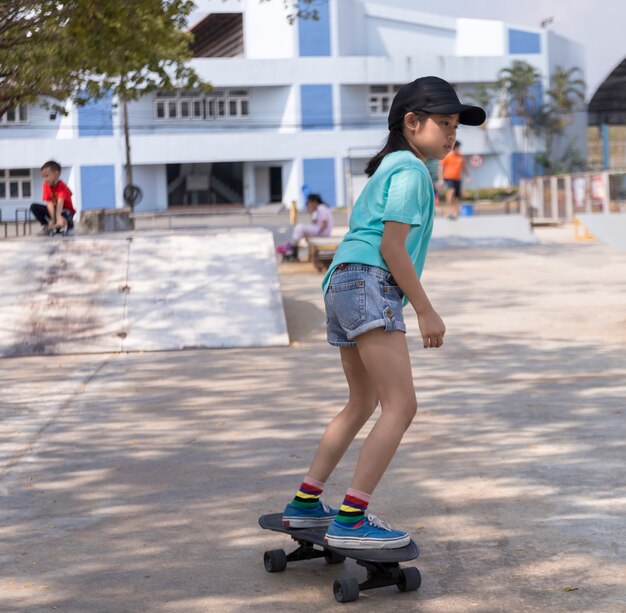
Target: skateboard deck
[{"x": 382, "y": 565}]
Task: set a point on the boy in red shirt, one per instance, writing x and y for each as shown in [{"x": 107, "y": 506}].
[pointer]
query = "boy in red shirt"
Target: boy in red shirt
[{"x": 58, "y": 212}]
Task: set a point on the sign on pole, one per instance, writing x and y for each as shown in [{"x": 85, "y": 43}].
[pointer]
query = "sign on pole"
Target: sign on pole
[{"x": 476, "y": 161}]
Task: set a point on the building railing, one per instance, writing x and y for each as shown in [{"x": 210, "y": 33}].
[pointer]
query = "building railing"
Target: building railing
[
  {"x": 21, "y": 225},
  {"x": 559, "y": 198}
]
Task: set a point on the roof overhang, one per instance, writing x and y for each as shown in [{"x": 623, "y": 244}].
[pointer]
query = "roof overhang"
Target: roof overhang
[{"x": 608, "y": 104}]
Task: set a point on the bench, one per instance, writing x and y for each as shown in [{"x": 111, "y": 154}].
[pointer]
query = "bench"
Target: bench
[
  {"x": 322, "y": 248},
  {"x": 322, "y": 251}
]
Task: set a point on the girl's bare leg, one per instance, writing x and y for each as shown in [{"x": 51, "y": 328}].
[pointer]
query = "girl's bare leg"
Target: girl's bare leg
[
  {"x": 342, "y": 429},
  {"x": 385, "y": 356}
]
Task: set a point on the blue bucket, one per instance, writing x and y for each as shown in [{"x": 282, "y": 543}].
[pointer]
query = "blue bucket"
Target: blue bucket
[{"x": 467, "y": 210}]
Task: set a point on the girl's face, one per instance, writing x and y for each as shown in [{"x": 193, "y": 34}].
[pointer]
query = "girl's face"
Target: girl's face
[{"x": 432, "y": 137}]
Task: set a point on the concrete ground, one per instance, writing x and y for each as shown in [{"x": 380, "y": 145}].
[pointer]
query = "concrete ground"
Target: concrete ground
[{"x": 133, "y": 482}]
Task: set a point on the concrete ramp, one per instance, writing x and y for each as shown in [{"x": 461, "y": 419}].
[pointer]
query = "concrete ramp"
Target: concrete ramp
[
  {"x": 609, "y": 228},
  {"x": 483, "y": 231},
  {"x": 140, "y": 293}
]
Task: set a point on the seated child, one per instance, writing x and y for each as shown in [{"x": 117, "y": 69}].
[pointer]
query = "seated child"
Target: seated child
[
  {"x": 322, "y": 218},
  {"x": 58, "y": 211}
]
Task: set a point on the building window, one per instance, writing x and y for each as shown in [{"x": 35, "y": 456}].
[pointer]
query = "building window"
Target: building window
[
  {"x": 15, "y": 115},
  {"x": 380, "y": 97},
  {"x": 15, "y": 184},
  {"x": 219, "y": 104},
  {"x": 228, "y": 103}
]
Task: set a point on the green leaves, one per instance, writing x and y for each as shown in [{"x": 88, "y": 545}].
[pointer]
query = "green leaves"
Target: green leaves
[
  {"x": 83, "y": 49},
  {"x": 300, "y": 9},
  {"x": 519, "y": 82},
  {"x": 549, "y": 118}
]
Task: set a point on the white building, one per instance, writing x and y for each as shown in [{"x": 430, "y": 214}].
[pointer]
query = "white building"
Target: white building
[{"x": 295, "y": 107}]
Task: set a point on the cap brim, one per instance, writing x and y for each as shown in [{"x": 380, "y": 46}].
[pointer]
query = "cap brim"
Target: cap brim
[{"x": 468, "y": 115}]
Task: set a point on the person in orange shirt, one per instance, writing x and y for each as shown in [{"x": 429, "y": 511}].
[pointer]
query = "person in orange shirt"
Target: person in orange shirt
[{"x": 451, "y": 171}]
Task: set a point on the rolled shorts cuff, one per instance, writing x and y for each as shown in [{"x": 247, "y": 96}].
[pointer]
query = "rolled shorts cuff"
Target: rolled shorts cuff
[{"x": 389, "y": 325}]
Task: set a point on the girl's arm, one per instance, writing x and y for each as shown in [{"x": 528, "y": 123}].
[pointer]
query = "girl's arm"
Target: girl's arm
[{"x": 393, "y": 250}]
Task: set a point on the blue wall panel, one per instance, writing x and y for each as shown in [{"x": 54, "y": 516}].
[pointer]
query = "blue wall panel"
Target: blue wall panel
[
  {"x": 316, "y": 102},
  {"x": 319, "y": 178},
  {"x": 523, "y": 166},
  {"x": 536, "y": 100},
  {"x": 314, "y": 35},
  {"x": 96, "y": 118},
  {"x": 524, "y": 42},
  {"x": 97, "y": 187}
]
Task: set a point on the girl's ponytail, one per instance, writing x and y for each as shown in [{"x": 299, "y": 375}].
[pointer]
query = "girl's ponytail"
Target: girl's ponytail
[{"x": 395, "y": 142}]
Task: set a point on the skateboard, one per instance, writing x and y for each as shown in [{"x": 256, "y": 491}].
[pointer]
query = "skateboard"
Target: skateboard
[{"x": 382, "y": 565}]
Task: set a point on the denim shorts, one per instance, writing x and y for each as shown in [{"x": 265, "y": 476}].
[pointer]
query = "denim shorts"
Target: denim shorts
[{"x": 361, "y": 298}]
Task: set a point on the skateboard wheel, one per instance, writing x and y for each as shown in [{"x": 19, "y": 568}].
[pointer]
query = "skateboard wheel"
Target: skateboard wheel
[
  {"x": 346, "y": 589},
  {"x": 275, "y": 561},
  {"x": 332, "y": 557},
  {"x": 410, "y": 579}
]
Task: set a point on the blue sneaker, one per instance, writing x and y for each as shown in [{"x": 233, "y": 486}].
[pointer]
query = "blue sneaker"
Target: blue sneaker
[
  {"x": 372, "y": 533},
  {"x": 319, "y": 516}
]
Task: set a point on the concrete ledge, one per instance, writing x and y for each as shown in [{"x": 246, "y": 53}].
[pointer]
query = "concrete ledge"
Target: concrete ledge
[
  {"x": 483, "y": 231},
  {"x": 94, "y": 221},
  {"x": 609, "y": 228}
]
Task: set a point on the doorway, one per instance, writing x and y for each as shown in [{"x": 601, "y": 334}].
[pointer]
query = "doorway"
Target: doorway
[{"x": 276, "y": 184}]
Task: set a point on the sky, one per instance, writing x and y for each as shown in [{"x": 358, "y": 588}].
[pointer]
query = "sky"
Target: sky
[{"x": 599, "y": 25}]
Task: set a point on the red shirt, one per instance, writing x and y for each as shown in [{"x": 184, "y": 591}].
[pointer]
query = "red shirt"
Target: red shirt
[{"x": 58, "y": 192}]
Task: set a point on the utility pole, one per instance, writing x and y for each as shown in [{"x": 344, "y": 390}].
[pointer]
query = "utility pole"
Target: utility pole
[{"x": 129, "y": 167}]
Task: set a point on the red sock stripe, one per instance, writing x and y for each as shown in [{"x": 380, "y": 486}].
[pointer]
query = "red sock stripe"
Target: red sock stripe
[
  {"x": 355, "y": 502},
  {"x": 309, "y": 489}
]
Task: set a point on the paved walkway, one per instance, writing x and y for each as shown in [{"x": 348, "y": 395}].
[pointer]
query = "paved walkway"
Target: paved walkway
[{"x": 134, "y": 482}]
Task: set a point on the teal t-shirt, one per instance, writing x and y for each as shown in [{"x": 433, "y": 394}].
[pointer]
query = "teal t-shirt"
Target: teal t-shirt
[{"x": 400, "y": 190}]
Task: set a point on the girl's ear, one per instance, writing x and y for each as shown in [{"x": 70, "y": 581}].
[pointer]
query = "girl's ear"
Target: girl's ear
[{"x": 411, "y": 121}]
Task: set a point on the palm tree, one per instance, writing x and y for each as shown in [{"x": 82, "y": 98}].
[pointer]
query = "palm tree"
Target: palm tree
[
  {"x": 566, "y": 92},
  {"x": 519, "y": 85}
]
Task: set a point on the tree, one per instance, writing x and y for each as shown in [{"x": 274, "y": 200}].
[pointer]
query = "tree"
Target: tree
[
  {"x": 84, "y": 50},
  {"x": 567, "y": 90},
  {"x": 566, "y": 93},
  {"x": 519, "y": 84},
  {"x": 33, "y": 54},
  {"x": 300, "y": 9},
  {"x": 146, "y": 49}
]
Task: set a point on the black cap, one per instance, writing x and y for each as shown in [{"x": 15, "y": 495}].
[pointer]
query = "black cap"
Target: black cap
[{"x": 433, "y": 95}]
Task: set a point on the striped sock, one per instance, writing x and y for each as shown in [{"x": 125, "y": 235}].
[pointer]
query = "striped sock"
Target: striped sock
[
  {"x": 352, "y": 511},
  {"x": 308, "y": 495}
]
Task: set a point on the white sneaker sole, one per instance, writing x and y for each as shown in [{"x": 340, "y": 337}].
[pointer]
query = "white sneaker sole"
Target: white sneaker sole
[
  {"x": 347, "y": 542},
  {"x": 307, "y": 522}
]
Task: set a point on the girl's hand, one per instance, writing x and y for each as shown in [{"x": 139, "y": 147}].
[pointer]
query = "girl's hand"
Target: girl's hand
[{"x": 432, "y": 328}]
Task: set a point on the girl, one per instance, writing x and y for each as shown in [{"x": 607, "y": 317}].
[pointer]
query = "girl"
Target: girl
[{"x": 376, "y": 268}]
